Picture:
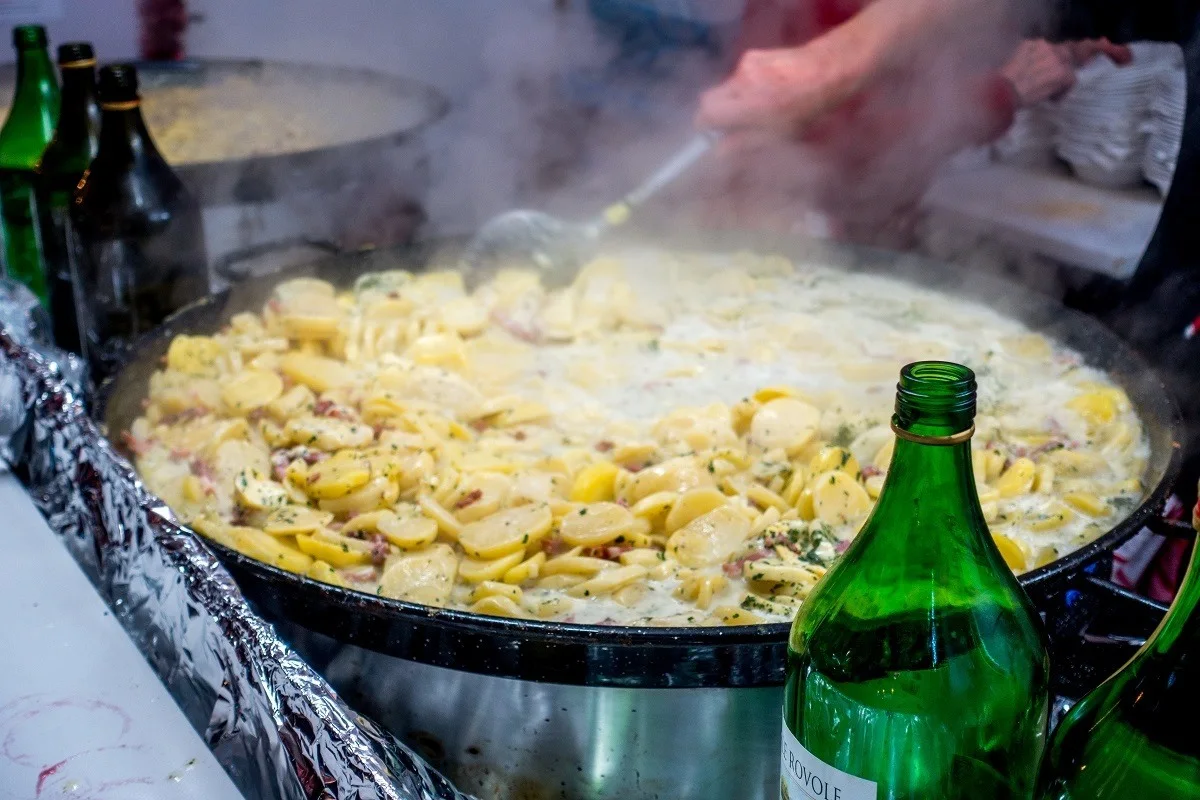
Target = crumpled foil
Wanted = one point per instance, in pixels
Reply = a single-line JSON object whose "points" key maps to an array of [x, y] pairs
{"points": [[274, 723]]}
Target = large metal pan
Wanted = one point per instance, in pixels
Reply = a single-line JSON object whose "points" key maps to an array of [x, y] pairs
{"points": [[265, 176], [579, 711]]}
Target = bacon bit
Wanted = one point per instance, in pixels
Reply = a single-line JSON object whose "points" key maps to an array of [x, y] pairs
{"points": [[314, 457], [841, 547], [393, 295], [379, 549], [313, 477], [480, 425], [336, 526], [734, 568], [613, 551], [519, 436], [179, 454], [187, 415], [604, 446], [526, 333], [145, 403], [275, 305], [201, 469], [362, 575], [554, 547], [470, 498], [133, 444], [870, 471], [257, 415], [635, 467], [322, 407], [279, 470], [622, 502]]}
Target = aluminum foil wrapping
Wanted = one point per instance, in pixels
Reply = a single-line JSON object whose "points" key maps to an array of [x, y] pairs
{"points": [[273, 722]]}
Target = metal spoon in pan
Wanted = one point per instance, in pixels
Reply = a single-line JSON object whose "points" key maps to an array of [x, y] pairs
{"points": [[557, 247]]}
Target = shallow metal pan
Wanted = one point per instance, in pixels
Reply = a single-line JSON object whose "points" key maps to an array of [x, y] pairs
{"points": [[644, 657]]}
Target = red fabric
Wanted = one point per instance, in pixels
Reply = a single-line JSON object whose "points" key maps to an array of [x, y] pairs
{"points": [[163, 23]]}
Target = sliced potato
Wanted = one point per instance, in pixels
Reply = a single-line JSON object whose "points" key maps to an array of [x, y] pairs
{"points": [[838, 499], [785, 423], [494, 589], [575, 565], [294, 402], [338, 556], [316, 372], [1013, 555], [691, 505], [337, 476], [408, 533], [255, 492], [323, 572], [292, 520], [499, 606], [482, 494], [1017, 479], [709, 539], [596, 524], [268, 549], [250, 390], [830, 458], [608, 581], [379, 493], [474, 570], [194, 355], [424, 577], [527, 570], [506, 532], [594, 483], [325, 433]]}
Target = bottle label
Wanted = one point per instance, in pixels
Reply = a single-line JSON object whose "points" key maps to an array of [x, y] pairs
{"points": [[806, 777]]}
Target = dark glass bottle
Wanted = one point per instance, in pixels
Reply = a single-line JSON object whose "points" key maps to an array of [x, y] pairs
{"points": [[27, 131], [67, 157], [917, 668], [140, 230], [1135, 736]]}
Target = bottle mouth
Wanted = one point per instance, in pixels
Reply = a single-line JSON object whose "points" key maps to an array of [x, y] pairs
{"points": [[117, 87], [27, 37], [936, 393], [76, 55]]}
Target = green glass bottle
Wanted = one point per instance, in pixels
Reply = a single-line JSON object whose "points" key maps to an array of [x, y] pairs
{"points": [[23, 139], [1135, 736], [917, 669], [63, 164]]}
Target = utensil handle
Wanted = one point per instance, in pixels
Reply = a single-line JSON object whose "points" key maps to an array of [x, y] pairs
{"points": [[665, 175]]}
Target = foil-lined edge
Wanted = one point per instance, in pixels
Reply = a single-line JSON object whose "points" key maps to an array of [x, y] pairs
{"points": [[276, 726]]}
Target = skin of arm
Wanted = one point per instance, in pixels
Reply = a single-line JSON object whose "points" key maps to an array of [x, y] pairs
{"points": [[787, 88]]}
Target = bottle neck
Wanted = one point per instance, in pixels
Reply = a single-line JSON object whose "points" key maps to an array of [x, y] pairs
{"points": [[933, 481], [35, 103], [123, 135], [76, 120], [1180, 631]]}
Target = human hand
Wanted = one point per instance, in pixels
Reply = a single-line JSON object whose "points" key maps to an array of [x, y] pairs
{"points": [[779, 90], [1039, 70]]}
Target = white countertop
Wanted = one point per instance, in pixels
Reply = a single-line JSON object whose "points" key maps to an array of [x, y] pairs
{"points": [[1051, 214], [82, 716]]}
